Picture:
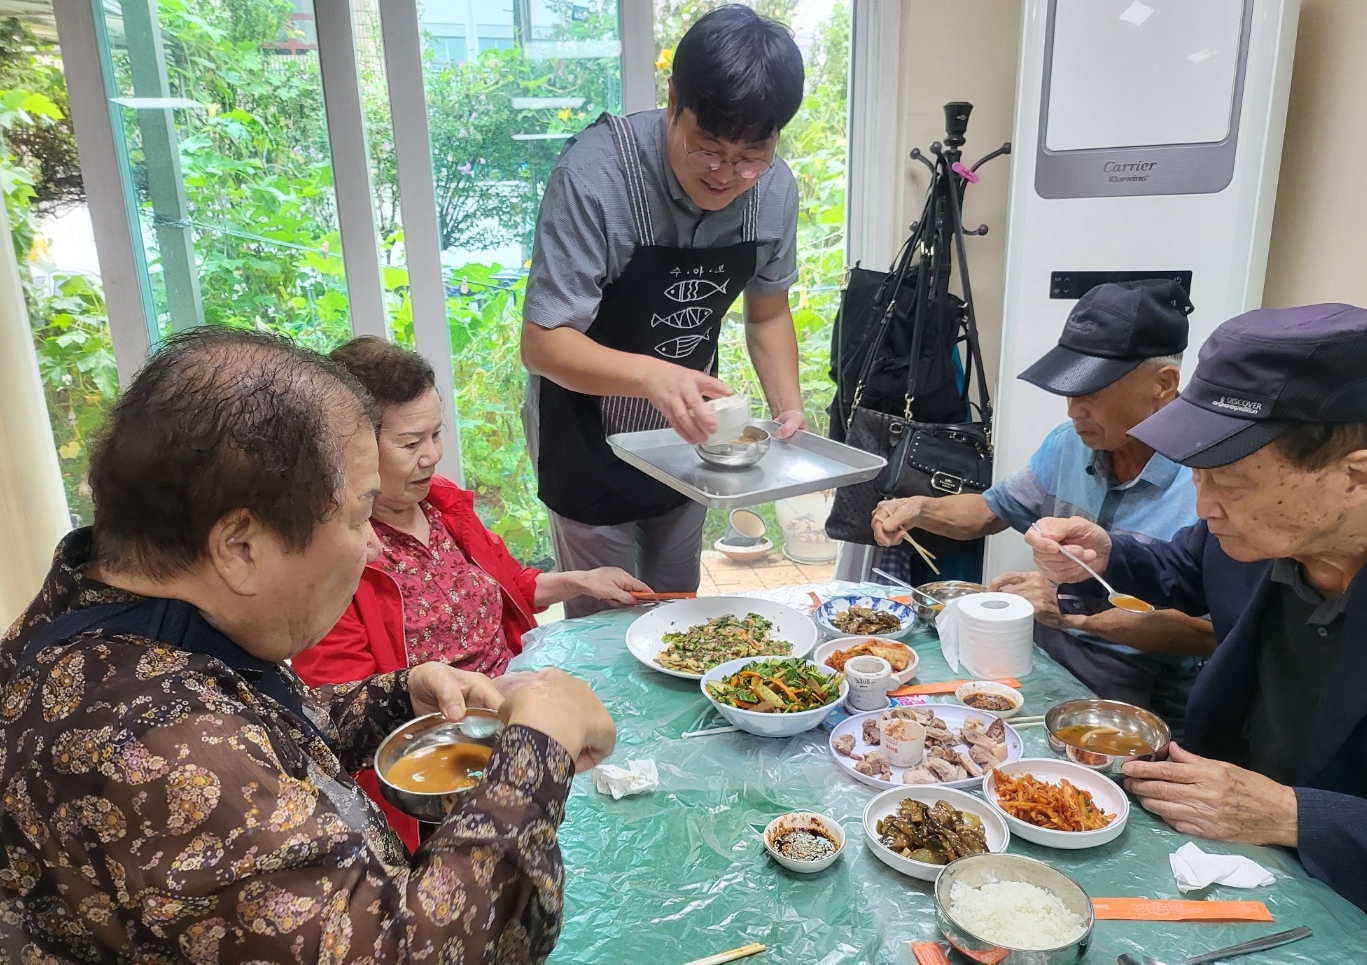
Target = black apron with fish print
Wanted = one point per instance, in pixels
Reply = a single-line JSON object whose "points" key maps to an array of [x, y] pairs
{"points": [[668, 303]]}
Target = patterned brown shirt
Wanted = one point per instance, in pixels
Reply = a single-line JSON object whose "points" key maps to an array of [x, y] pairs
{"points": [[158, 809]]}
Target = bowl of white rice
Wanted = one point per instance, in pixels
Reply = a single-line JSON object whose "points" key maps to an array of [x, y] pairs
{"points": [[1013, 910]]}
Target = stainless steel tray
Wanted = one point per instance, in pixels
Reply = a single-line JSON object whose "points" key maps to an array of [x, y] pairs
{"points": [[805, 463]]}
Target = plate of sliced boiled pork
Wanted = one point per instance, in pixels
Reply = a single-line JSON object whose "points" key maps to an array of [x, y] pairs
{"points": [[961, 745]]}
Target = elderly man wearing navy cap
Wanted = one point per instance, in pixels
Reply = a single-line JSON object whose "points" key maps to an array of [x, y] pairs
{"points": [[1274, 425], [1117, 362]]}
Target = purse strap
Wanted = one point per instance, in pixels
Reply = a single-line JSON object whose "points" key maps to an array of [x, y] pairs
{"points": [[887, 480], [879, 334], [971, 322]]}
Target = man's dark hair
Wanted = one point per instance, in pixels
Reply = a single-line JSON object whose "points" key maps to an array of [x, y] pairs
{"points": [[392, 375], [220, 420], [1312, 446], [740, 73]]}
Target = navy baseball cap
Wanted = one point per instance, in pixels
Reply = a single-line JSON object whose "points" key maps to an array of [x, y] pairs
{"points": [[1259, 374], [1111, 331]]}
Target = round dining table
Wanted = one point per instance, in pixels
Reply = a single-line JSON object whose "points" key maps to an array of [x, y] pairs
{"points": [[674, 875]]}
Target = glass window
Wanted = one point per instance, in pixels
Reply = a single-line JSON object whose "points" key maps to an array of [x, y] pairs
{"points": [[446, 41], [497, 124], [225, 145], [54, 247], [494, 36]]}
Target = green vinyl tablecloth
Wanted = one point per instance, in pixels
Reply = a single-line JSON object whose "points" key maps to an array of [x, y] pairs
{"points": [[671, 876]]}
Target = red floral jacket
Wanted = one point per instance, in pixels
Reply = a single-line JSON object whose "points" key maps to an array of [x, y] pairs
{"points": [[369, 638]]}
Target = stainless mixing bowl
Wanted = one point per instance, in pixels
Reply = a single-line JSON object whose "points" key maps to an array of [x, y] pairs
{"points": [[976, 870], [479, 727], [740, 453], [944, 591], [1126, 718]]}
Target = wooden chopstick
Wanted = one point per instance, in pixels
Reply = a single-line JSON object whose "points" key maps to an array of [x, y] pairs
{"points": [[650, 597], [730, 956], [711, 730], [926, 554]]}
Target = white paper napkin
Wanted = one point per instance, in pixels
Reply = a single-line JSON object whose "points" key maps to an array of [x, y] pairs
{"points": [[947, 626], [1194, 869], [637, 777]]}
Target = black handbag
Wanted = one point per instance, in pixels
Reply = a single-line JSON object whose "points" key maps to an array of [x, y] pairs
{"points": [[877, 367], [925, 458]]}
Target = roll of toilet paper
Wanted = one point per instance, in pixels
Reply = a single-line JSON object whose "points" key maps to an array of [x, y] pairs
{"points": [[991, 634]]}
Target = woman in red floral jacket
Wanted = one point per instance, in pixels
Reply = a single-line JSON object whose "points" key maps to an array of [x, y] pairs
{"points": [[443, 587]]}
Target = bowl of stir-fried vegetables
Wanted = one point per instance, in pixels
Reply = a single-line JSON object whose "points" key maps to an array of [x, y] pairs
{"points": [[774, 697]]}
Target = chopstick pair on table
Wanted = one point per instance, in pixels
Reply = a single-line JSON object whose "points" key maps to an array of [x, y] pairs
{"points": [[730, 956]]}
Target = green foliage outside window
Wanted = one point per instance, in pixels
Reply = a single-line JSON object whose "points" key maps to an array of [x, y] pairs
{"points": [[258, 186]]}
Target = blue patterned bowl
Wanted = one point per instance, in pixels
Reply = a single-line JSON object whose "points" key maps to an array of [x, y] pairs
{"points": [[828, 612]]}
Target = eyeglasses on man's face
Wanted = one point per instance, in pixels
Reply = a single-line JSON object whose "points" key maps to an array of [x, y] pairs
{"points": [[705, 162]]}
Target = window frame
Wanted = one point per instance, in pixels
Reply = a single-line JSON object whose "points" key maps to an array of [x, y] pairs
{"points": [[873, 161]]}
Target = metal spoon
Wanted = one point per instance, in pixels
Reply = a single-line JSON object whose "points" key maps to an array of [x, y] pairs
{"points": [[939, 605], [1243, 948], [1123, 601]]}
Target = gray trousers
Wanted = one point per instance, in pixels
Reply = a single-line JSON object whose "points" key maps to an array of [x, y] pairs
{"points": [[664, 552]]}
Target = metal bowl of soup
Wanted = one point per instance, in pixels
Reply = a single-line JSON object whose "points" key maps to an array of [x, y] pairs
{"points": [[741, 452], [1104, 734], [944, 591], [426, 765]]}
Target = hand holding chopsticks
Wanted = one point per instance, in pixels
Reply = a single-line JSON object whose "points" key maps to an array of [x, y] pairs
{"points": [[905, 512]]}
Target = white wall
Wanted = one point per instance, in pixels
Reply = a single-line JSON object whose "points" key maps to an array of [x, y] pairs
{"points": [[1319, 231], [963, 50], [967, 50]]}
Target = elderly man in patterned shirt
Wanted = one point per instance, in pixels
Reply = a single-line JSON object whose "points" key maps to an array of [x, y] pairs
{"points": [[172, 791]]}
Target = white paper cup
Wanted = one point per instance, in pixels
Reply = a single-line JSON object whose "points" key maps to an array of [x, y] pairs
{"points": [[870, 679], [904, 741], [731, 414]]}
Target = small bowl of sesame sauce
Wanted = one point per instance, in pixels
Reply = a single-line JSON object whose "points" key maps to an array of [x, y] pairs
{"points": [[804, 841]]}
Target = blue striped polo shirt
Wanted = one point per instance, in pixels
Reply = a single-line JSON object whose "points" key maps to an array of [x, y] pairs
{"points": [[1065, 478]]}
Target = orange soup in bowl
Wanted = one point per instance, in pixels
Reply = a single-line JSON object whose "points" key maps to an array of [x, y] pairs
{"points": [[439, 769]]}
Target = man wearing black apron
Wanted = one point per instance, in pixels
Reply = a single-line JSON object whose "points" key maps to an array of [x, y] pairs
{"points": [[650, 227]]}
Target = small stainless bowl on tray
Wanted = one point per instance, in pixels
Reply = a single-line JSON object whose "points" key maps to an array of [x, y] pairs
{"points": [[741, 452], [1108, 715], [944, 591], [479, 726], [976, 870]]}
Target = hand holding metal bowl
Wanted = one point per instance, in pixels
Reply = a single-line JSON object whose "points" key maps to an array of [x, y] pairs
{"points": [[1104, 734], [429, 763]]}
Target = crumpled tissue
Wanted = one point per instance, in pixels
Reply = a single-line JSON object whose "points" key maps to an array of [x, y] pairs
{"points": [[1194, 869], [637, 777]]}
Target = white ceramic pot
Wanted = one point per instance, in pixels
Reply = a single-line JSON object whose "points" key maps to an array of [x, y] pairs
{"points": [[803, 521]]}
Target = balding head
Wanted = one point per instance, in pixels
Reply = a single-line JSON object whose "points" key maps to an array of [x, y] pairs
{"points": [[221, 420]]}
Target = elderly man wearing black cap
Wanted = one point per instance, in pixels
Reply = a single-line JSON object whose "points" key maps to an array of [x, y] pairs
{"points": [[1117, 364], [1274, 425]]}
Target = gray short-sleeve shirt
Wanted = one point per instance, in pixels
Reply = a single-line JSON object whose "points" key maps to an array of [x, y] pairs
{"points": [[585, 234]]}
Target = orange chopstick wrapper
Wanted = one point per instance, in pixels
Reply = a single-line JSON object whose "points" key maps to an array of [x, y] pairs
{"points": [[929, 953], [943, 687], [1143, 909]]}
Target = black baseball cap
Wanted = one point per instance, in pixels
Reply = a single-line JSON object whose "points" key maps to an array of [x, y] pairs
{"points": [[1259, 374], [1110, 332]]}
